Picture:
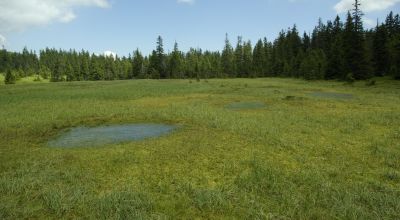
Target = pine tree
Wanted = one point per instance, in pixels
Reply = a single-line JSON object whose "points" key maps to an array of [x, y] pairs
{"points": [[335, 63], [44, 72], [238, 65], [175, 63], [58, 72], [69, 72], [306, 41], [380, 51], [228, 59], [393, 31], [160, 56], [314, 64], [354, 47], [110, 72], [84, 69], [154, 66], [9, 77], [259, 58], [335, 68], [248, 60], [5, 60], [268, 62], [96, 72], [138, 65], [394, 50]]}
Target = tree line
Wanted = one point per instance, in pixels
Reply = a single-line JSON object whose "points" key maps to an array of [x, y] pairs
{"points": [[337, 49]]}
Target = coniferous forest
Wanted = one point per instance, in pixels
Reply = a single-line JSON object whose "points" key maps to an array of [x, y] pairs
{"points": [[338, 49]]}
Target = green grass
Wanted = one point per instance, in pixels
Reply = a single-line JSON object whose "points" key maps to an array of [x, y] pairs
{"points": [[25, 80], [301, 157]]}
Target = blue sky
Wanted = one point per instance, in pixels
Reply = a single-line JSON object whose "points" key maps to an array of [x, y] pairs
{"points": [[124, 25]]}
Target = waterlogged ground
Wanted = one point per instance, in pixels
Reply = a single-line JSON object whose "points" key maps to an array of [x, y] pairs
{"points": [[300, 157], [109, 135]]}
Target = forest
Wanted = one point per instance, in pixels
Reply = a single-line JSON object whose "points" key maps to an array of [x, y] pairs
{"points": [[341, 50]]}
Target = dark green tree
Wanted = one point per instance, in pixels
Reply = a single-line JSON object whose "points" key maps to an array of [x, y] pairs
{"points": [[247, 69], [69, 72], [160, 59], [228, 59], [9, 77], [314, 65], [380, 51], [355, 61], [175, 63], [57, 74], [96, 71], [138, 70], [259, 59]]}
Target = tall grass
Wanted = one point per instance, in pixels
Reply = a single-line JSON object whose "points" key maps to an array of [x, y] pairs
{"points": [[303, 157]]}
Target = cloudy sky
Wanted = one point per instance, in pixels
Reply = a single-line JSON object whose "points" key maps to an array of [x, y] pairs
{"points": [[124, 25]]}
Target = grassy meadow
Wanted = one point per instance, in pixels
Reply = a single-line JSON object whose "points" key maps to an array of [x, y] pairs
{"points": [[298, 157]]}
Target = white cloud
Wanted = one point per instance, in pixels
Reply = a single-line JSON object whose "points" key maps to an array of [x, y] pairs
{"points": [[110, 54], [186, 1], [18, 15], [366, 5], [2, 41]]}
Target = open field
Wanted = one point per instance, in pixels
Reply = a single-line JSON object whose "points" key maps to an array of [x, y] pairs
{"points": [[298, 156]]}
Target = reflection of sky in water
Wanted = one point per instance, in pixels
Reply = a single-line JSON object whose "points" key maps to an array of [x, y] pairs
{"points": [[104, 135]]}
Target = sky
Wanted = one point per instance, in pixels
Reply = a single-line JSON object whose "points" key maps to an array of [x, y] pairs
{"points": [[121, 26]]}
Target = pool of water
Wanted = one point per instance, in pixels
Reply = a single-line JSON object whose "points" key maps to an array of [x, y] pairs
{"points": [[246, 105], [105, 135], [332, 95]]}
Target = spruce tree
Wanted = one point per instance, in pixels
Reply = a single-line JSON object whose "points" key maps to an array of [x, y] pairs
{"points": [[175, 63], [160, 57], [306, 41], [69, 72], [380, 51], [259, 58], [154, 65], [268, 60], [394, 50], [137, 66], [58, 72], [354, 47], [314, 65], [248, 60], [9, 77], [84, 68], [96, 72], [228, 58], [335, 61], [239, 65]]}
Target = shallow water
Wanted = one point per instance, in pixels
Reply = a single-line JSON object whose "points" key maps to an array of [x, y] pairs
{"points": [[332, 95], [245, 105], [105, 135]]}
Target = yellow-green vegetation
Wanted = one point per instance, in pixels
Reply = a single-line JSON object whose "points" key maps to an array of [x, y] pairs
{"points": [[32, 79], [299, 157], [25, 80]]}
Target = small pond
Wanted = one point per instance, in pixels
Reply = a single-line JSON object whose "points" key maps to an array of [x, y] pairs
{"points": [[245, 105], [104, 135], [332, 95]]}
